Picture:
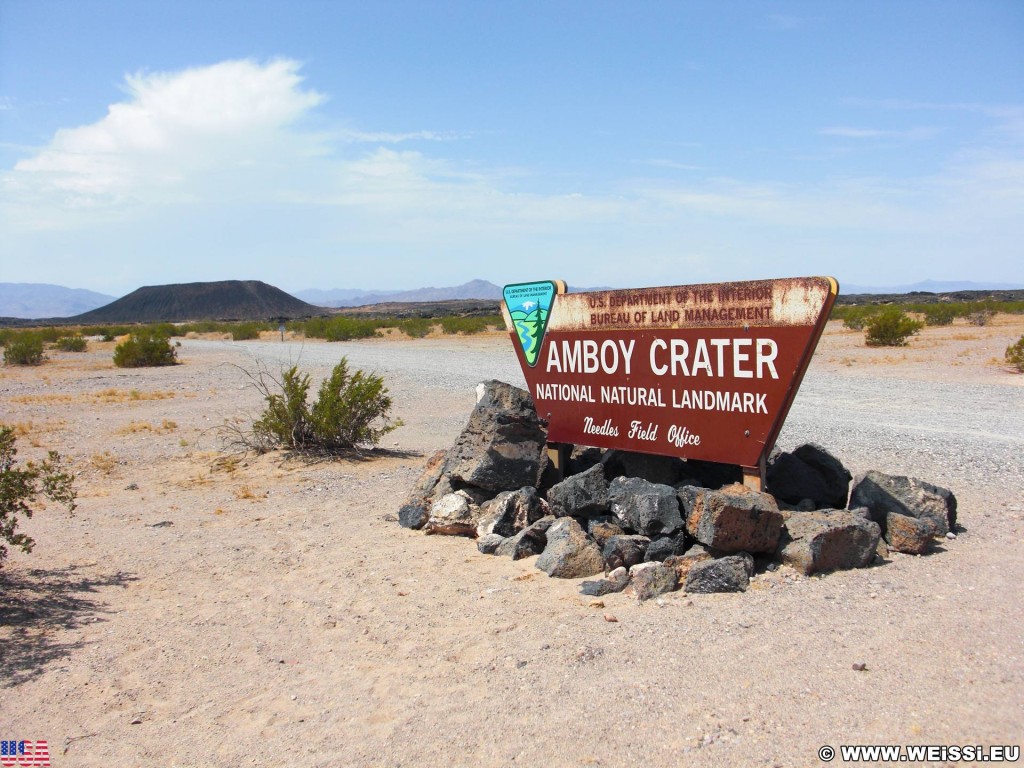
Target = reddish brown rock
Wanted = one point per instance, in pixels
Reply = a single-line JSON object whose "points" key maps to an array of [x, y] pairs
{"points": [[735, 519]]}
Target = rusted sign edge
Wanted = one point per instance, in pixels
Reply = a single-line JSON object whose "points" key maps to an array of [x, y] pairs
{"points": [[738, 304], [798, 377]]}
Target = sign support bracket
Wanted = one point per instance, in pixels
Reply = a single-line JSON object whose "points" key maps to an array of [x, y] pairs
{"points": [[558, 455], [754, 477]]}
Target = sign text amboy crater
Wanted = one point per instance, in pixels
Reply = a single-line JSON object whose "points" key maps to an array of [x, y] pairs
{"points": [[695, 371]]}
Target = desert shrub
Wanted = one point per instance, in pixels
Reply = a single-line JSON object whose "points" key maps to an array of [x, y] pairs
{"points": [[73, 343], [351, 410], [981, 316], [25, 348], [244, 331], [468, 325], [1015, 354], [939, 314], [340, 328], [144, 348], [416, 327], [164, 329], [890, 328], [21, 487]]}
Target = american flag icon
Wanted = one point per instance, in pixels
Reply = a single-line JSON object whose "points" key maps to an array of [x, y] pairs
{"points": [[24, 754]]}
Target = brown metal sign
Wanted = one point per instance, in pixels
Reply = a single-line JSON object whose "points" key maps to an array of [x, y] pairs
{"points": [[695, 371]]}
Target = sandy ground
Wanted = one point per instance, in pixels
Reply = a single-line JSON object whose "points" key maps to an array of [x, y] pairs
{"points": [[207, 609]]}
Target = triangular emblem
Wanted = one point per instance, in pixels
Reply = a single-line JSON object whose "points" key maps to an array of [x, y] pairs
{"points": [[529, 305]]}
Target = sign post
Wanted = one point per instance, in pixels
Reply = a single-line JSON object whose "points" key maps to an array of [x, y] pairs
{"points": [[704, 372]]}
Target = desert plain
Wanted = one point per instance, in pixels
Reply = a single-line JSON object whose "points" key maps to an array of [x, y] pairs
{"points": [[205, 607]]}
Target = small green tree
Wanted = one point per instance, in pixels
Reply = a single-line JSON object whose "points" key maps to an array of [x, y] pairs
{"points": [[24, 349], [1015, 354], [891, 328], [351, 410], [145, 347], [21, 487]]}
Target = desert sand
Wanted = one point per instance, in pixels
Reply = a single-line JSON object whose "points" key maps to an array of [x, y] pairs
{"points": [[208, 608]]}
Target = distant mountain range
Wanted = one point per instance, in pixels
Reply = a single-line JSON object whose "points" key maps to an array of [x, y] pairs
{"points": [[29, 300], [348, 297], [255, 300], [931, 286]]}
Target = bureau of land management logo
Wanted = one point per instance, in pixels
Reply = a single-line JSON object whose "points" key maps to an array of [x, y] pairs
{"points": [[18, 753], [529, 305]]}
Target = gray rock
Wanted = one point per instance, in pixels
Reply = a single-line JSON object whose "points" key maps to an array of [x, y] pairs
{"points": [[584, 495], [569, 554], [662, 548], [909, 534], [809, 472], [489, 544], [424, 490], [832, 540], [511, 511], [735, 519], [648, 508], [451, 515], [748, 562], [624, 551], [616, 581], [647, 580], [687, 495], [883, 494], [726, 574], [500, 447], [413, 516], [529, 541]]}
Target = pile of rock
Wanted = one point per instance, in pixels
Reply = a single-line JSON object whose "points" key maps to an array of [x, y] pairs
{"points": [[652, 524]]}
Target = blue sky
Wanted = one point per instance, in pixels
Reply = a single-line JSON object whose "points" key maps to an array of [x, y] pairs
{"points": [[396, 145]]}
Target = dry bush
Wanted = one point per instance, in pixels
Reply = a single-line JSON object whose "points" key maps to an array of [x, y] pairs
{"points": [[246, 493], [350, 411], [981, 317], [104, 462]]}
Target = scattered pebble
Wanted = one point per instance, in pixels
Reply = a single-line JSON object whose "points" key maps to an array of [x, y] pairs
{"points": [[860, 667], [610, 618]]}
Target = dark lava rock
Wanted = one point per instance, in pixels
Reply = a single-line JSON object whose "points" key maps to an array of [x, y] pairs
{"points": [[726, 574], [883, 494], [648, 508]]}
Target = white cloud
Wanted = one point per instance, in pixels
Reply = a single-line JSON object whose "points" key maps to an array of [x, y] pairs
{"points": [[171, 127]]}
